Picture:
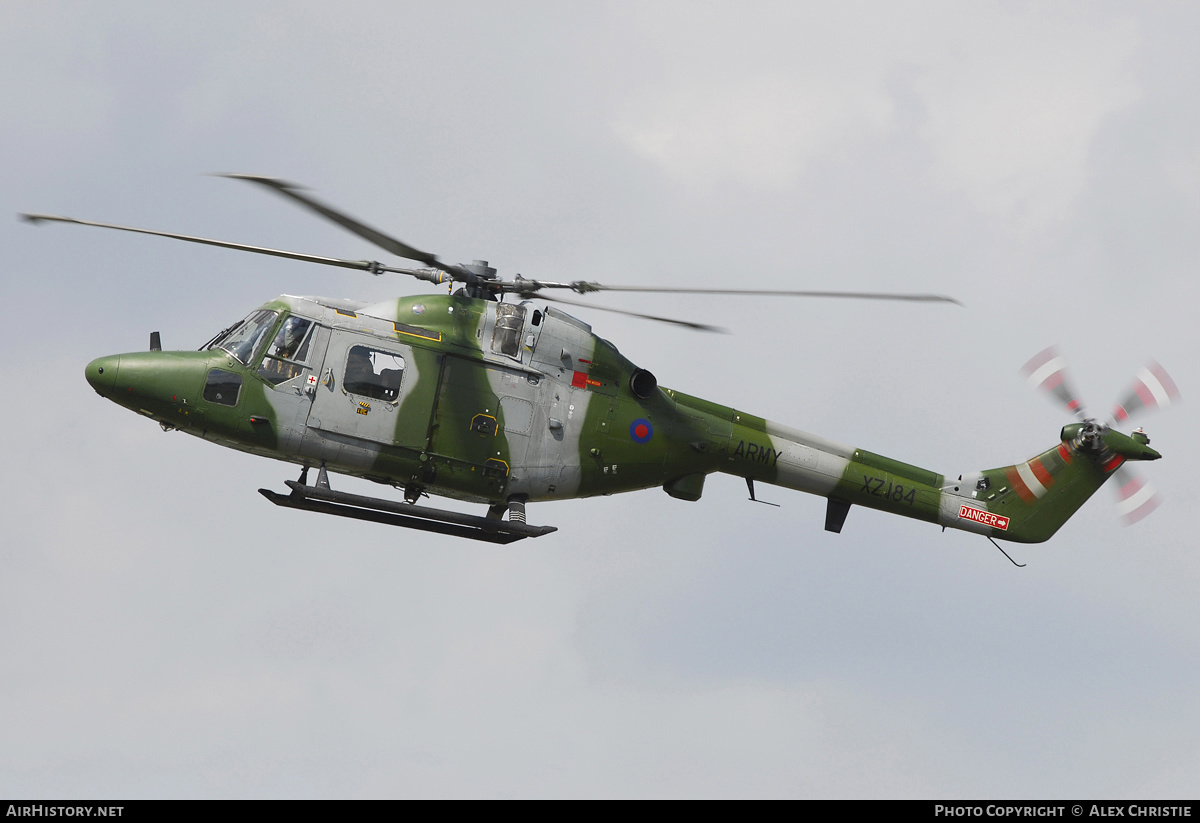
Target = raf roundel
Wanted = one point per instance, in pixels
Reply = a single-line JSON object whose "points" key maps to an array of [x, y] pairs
{"points": [[640, 430]]}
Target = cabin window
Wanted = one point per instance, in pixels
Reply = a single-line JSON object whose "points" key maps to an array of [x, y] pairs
{"points": [[288, 352], [222, 387], [373, 373], [242, 341], [506, 336]]}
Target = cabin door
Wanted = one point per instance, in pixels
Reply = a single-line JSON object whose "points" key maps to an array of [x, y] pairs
{"points": [[376, 390]]}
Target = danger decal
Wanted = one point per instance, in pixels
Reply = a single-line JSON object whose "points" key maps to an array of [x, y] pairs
{"points": [[996, 521]]}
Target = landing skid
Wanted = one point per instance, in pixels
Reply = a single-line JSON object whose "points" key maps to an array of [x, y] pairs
{"points": [[322, 499]]}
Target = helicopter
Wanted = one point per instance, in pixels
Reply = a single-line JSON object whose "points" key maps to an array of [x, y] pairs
{"points": [[467, 396]]}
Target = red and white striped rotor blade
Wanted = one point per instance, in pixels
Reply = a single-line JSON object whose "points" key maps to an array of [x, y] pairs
{"points": [[1048, 371], [1135, 497], [1152, 388]]}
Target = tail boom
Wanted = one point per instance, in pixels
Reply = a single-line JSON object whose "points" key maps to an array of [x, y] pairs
{"points": [[1026, 502]]}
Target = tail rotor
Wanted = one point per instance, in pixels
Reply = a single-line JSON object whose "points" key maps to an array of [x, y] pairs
{"points": [[1152, 388]]}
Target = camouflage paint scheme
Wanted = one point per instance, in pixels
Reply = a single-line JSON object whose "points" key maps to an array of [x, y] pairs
{"points": [[502, 401]]}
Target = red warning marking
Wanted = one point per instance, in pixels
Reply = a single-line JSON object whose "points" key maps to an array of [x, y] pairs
{"points": [[1014, 480], [1039, 471], [1064, 452], [580, 380]]}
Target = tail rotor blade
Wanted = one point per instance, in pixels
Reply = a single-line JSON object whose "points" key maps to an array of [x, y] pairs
{"points": [[1047, 370], [1152, 388], [1135, 497]]}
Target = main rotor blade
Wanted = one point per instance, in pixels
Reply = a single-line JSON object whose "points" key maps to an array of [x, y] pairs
{"points": [[1047, 370], [583, 287], [384, 241], [363, 265], [685, 323]]}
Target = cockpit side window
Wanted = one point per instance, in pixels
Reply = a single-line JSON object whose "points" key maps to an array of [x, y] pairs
{"points": [[243, 339], [373, 373], [288, 352], [222, 387]]}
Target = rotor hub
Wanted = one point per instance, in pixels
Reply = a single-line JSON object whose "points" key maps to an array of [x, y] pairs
{"points": [[481, 269]]}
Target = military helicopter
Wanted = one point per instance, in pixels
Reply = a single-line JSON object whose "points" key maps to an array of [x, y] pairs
{"points": [[468, 396]]}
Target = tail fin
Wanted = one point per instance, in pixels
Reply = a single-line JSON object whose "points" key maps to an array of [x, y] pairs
{"points": [[1029, 502]]}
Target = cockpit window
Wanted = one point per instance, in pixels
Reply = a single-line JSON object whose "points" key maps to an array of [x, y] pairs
{"points": [[373, 373], [222, 387], [288, 352], [242, 340]]}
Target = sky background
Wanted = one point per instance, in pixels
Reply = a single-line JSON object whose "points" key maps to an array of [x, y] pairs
{"points": [[165, 632]]}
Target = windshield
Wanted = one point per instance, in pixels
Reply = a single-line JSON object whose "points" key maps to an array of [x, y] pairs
{"points": [[242, 340]]}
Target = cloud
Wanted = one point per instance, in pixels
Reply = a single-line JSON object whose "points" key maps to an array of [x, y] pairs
{"points": [[1013, 110], [1007, 101], [757, 131]]}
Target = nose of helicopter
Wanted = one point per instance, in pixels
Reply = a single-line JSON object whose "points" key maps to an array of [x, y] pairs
{"points": [[101, 373]]}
